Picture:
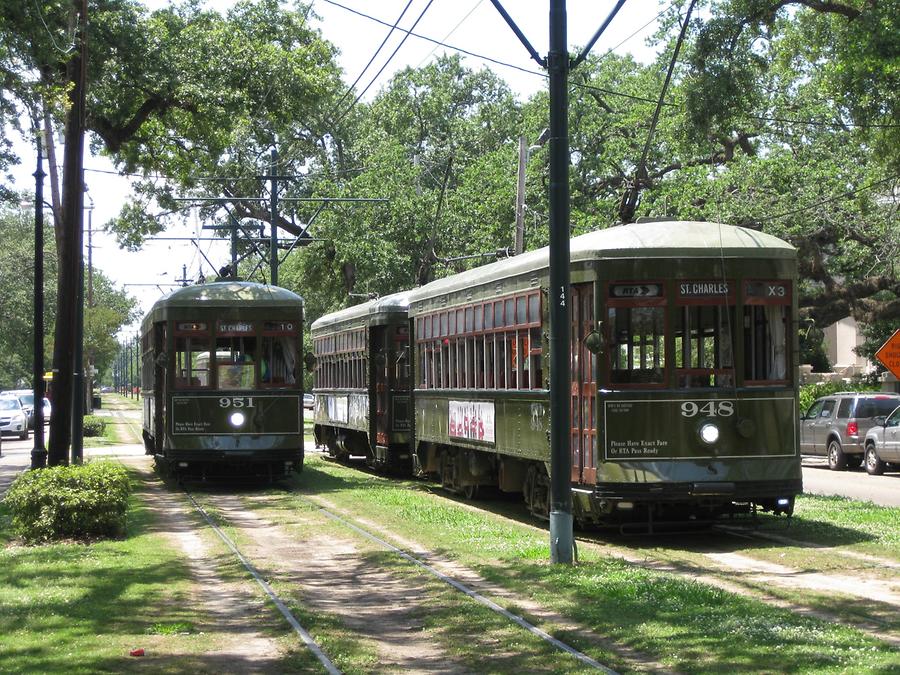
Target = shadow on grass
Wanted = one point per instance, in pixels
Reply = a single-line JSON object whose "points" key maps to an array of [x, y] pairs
{"points": [[700, 628]]}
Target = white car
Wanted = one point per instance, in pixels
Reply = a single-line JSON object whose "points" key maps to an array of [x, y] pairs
{"points": [[13, 419]]}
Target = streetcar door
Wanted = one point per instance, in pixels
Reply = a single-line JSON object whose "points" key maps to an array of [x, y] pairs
{"points": [[160, 386], [381, 385], [583, 435]]}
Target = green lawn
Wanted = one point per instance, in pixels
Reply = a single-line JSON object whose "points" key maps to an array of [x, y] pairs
{"points": [[687, 625]]}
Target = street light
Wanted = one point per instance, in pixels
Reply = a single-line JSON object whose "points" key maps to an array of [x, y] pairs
{"points": [[39, 451]]}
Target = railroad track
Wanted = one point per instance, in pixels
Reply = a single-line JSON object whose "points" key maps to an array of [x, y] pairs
{"points": [[361, 530]]}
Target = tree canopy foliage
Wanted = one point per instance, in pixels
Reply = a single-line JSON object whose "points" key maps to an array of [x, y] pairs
{"points": [[111, 308], [782, 116]]}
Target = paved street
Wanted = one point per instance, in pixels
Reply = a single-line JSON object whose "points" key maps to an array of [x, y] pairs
{"points": [[818, 479]]}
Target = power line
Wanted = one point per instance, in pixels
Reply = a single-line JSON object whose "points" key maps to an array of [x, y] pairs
{"points": [[377, 51], [385, 65], [452, 31], [604, 90]]}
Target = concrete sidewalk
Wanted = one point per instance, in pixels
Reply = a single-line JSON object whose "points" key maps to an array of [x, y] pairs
{"points": [[16, 457]]}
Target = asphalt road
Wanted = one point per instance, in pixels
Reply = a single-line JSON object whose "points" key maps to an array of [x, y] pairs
{"points": [[818, 479]]}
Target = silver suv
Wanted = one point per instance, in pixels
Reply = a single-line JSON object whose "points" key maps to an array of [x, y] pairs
{"points": [[835, 426]]}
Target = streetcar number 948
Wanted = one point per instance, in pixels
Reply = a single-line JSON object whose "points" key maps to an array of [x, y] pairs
{"points": [[707, 408]]}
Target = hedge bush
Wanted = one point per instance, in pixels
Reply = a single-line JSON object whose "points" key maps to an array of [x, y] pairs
{"points": [[810, 392], [94, 426], [69, 502]]}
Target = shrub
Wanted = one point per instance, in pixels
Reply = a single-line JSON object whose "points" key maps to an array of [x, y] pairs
{"points": [[93, 425], [76, 502], [810, 392]]}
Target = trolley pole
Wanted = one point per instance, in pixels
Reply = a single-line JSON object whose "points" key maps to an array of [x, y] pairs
{"points": [[39, 452], [561, 525]]}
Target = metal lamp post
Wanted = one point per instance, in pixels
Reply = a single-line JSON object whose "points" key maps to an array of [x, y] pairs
{"points": [[39, 451]]}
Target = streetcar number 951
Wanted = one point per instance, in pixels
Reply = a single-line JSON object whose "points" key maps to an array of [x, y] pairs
{"points": [[707, 408], [236, 402]]}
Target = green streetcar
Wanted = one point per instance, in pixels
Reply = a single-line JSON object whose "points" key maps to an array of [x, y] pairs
{"points": [[221, 383], [684, 371]]}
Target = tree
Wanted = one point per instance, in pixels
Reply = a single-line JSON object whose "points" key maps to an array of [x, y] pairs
{"points": [[437, 141], [182, 91], [112, 310], [17, 281]]}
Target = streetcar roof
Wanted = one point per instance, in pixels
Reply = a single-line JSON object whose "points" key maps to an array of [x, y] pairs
{"points": [[227, 294], [366, 313], [656, 239]]}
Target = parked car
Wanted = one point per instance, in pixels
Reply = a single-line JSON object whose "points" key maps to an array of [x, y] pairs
{"points": [[835, 426], [883, 443], [26, 398], [13, 419], [309, 401]]}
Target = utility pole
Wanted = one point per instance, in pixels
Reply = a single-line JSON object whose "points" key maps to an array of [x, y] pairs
{"points": [[519, 244], [558, 65], [561, 522]]}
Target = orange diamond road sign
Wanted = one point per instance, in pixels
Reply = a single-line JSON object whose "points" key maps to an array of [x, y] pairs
{"points": [[889, 354]]}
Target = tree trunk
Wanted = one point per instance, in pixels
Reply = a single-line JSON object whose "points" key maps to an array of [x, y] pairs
{"points": [[69, 255]]}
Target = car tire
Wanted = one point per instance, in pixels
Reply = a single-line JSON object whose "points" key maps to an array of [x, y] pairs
{"points": [[874, 465], [837, 460], [24, 435]]}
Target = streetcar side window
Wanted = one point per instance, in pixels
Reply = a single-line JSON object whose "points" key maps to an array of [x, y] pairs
{"points": [[637, 345], [191, 362], [767, 307], [487, 345], [278, 362]]}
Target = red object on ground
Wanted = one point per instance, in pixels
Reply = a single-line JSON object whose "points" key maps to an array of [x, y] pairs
{"points": [[137, 652]]}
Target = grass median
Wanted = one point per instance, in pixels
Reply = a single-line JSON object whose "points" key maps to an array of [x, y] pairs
{"points": [[687, 625]]}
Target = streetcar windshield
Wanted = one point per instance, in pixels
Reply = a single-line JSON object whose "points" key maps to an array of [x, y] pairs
{"points": [[244, 355]]}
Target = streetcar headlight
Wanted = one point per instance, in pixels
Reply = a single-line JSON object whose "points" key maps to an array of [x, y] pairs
{"points": [[237, 419], [781, 501], [709, 433]]}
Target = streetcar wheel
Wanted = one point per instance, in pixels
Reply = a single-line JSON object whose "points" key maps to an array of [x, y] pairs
{"points": [[837, 460], [874, 465], [470, 492]]}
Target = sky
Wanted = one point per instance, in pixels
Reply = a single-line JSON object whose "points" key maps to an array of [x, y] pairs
{"points": [[472, 25]]}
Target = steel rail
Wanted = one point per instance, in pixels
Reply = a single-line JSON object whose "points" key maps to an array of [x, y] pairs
{"points": [[304, 635], [475, 595]]}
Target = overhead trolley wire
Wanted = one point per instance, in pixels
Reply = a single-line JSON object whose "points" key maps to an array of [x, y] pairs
{"points": [[377, 52], [385, 65], [452, 31], [604, 90]]}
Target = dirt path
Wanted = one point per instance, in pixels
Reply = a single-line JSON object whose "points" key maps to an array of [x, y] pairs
{"points": [[333, 578], [549, 620], [231, 611]]}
